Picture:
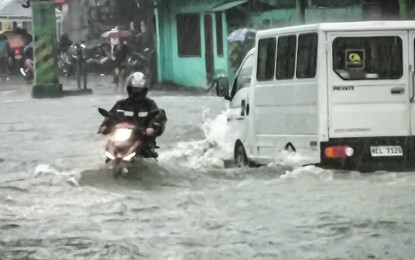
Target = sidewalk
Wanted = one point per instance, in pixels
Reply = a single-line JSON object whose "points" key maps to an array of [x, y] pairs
{"points": [[103, 84], [99, 85], [15, 85]]}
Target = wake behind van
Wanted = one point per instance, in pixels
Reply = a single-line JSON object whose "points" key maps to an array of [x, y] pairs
{"points": [[338, 94]]}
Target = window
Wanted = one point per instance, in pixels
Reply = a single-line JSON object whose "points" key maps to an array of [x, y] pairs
{"points": [[188, 35], [286, 57], [307, 55], [243, 79], [360, 58], [219, 34], [266, 59]]}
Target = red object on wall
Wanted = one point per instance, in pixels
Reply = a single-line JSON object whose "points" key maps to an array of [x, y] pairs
{"points": [[60, 2]]}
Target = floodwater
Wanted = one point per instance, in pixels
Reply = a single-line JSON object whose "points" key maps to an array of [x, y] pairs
{"points": [[59, 201]]}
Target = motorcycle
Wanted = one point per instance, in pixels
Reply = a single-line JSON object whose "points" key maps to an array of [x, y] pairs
{"points": [[125, 143]]}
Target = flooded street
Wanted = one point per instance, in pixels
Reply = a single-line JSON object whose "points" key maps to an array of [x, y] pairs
{"points": [[59, 201]]}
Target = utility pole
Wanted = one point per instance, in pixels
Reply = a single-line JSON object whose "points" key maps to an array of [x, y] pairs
{"points": [[45, 51], [46, 73], [403, 9], [300, 7]]}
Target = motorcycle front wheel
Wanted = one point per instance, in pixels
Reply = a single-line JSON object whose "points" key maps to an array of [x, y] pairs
{"points": [[118, 171]]}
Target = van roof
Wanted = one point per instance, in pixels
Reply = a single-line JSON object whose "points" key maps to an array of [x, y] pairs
{"points": [[343, 26]]}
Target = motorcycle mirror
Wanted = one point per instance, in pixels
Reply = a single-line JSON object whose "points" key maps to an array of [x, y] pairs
{"points": [[103, 112]]}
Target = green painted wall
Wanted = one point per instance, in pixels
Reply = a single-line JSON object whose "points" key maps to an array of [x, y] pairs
{"points": [[221, 62], [191, 71], [187, 71], [345, 14], [287, 17]]}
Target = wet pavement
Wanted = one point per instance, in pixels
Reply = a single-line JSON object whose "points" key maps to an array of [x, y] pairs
{"points": [[59, 201]]}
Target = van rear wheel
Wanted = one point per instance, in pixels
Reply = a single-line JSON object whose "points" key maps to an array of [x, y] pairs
{"points": [[240, 158]]}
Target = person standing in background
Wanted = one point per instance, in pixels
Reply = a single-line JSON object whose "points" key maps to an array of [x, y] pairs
{"points": [[4, 54], [121, 55], [132, 41], [146, 45], [114, 42], [145, 38], [64, 43]]}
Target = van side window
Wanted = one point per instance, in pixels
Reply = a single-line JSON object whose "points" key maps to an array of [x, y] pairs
{"points": [[243, 79], [307, 55], [286, 57], [266, 59]]}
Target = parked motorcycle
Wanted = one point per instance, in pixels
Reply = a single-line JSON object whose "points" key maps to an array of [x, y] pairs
{"points": [[67, 60], [98, 58], [16, 59], [141, 62], [124, 144], [27, 70]]}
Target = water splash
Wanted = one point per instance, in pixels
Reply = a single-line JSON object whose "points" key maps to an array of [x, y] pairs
{"points": [[210, 152], [309, 172], [53, 175], [45, 170]]}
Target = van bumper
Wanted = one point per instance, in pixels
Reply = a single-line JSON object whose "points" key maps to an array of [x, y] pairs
{"points": [[362, 158]]}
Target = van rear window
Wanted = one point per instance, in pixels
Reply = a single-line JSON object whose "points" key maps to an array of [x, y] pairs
{"points": [[368, 58]]}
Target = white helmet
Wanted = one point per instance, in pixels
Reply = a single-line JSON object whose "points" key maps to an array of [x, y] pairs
{"points": [[137, 85], [137, 80]]}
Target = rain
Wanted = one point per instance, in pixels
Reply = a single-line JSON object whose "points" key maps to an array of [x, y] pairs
{"points": [[64, 194]]}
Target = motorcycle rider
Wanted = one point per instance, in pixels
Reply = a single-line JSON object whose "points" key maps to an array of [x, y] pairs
{"points": [[136, 108]]}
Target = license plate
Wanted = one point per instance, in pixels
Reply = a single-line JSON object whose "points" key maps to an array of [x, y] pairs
{"points": [[18, 57], [384, 151]]}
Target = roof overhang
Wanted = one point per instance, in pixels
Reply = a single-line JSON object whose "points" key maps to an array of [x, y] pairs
{"points": [[226, 5]]}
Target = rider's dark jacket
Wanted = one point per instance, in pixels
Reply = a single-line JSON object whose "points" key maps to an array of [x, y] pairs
{"points": [[143, 114]]}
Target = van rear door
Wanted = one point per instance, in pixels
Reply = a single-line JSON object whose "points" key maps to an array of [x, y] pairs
{"points": [[368, 84], [412, 80]]}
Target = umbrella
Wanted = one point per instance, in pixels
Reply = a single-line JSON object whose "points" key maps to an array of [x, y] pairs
{"points": [[242, 35], [116, 34]]}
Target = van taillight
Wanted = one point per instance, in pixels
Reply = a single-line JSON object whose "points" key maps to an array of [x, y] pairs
{"points": [[337, 152]]}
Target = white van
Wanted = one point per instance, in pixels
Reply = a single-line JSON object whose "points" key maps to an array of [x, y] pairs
{"points": [[339, 94]]}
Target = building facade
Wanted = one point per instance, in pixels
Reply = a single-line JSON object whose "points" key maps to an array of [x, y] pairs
{"points": [[192, 35]]}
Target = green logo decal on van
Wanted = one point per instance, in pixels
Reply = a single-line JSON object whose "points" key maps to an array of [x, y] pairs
{"points": [[355, 59]]}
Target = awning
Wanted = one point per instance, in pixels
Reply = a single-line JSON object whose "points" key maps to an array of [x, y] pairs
{"points": [[226, 5], [12, 10]]}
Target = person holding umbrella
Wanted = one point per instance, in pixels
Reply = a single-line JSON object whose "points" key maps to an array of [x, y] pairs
{"points": [[240, 42], [115, 35], [120, 54]]}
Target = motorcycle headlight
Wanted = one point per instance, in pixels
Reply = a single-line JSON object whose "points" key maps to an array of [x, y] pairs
{"points": [[122, 134]]}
